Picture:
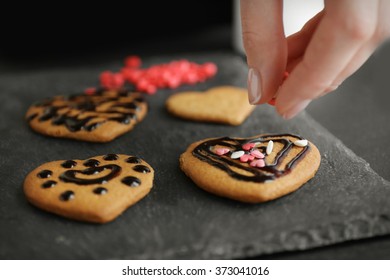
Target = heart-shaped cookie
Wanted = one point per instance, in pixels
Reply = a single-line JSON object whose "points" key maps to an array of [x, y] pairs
{"points": [[94, 190], [224, 104], [96, 118], [252, 170]]}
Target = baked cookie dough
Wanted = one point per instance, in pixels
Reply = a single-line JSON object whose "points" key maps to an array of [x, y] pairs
{"points": [[94, 190], [100, 117], [252, 170], [223, 104]]}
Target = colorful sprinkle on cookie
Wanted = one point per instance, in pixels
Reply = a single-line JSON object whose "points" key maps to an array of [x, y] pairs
{"points": [[251, 175]]}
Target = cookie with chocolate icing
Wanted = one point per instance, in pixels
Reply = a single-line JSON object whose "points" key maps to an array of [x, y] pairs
{"points": [[100, 117], [252, 170], [94, 190], [223, 104]]}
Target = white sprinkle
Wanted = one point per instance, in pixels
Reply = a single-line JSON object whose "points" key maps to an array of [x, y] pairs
{"points": [[237, 154], [270, 147], [301, 143]]}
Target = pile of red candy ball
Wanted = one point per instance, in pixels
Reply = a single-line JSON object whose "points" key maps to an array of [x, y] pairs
{"points": [[148, 80]]}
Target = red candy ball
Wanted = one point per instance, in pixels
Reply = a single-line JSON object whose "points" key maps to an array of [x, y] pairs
{"points": [[149, 80]]}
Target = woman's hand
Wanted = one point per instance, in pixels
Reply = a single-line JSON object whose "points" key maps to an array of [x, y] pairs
{"points": [[329, 48]]}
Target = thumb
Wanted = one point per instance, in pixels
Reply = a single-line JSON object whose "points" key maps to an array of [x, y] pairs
{"points": [[265, 46]]}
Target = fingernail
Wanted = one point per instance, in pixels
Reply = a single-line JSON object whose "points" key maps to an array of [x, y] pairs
{"points": [[254, 86], [293, 111]]}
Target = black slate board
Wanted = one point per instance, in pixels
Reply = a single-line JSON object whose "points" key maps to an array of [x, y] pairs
{"points": [[346, 200]]}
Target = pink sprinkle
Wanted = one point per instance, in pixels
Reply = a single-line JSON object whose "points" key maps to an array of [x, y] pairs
{"points": [[257, 163], [246, 158], [248, 146], [257, 154], [221, 151]]}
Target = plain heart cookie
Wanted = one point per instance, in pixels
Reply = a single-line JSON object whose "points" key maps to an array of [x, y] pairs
{"points": [[252, 170], [100, 117], [224, 104], [97, 189]]}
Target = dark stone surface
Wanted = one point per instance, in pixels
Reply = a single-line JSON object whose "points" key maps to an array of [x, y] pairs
{"points": [[347, 200], [358, 111]]}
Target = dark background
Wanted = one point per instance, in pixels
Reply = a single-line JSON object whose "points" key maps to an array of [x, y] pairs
{"points": [[70, 36], [71, 33]]}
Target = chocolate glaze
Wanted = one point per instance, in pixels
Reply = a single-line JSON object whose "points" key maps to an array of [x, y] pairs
{"points": [[31, 117], [110, 157], [84, 112], [91, 162], [141, 168], [67, 195], [267, 173], [133, 160], [70, 176], [131, 181], [45, 174], [100, 191], [69, 164], [49, 184]]}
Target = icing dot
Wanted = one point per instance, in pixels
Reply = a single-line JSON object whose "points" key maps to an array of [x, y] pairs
{"points": [[49, 184], [133, 160], [44, 174], [131, 181], [100, 191], [91, 162], [110, 157], [67, 195], [141, 168], [69, 164]]}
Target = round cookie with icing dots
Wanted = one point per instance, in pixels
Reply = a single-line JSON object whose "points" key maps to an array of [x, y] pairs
{"points": [[223, 104], [252, 170], [100, 117], [94, 190]]}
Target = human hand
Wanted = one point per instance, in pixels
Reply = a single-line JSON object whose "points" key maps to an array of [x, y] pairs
{"points": [[329, 48]]}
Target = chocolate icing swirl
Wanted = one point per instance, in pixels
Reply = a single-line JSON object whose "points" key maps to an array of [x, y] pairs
{"points": [[88, 112], [269, 172], [70, 176]]}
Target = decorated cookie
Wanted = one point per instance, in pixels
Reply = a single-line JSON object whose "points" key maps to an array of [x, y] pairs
{"points": [[224, 104], [252, 170], [97, 189], [97, 118]]}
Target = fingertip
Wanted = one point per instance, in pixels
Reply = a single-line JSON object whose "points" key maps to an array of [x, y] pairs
{"points": [[290, 111]]}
